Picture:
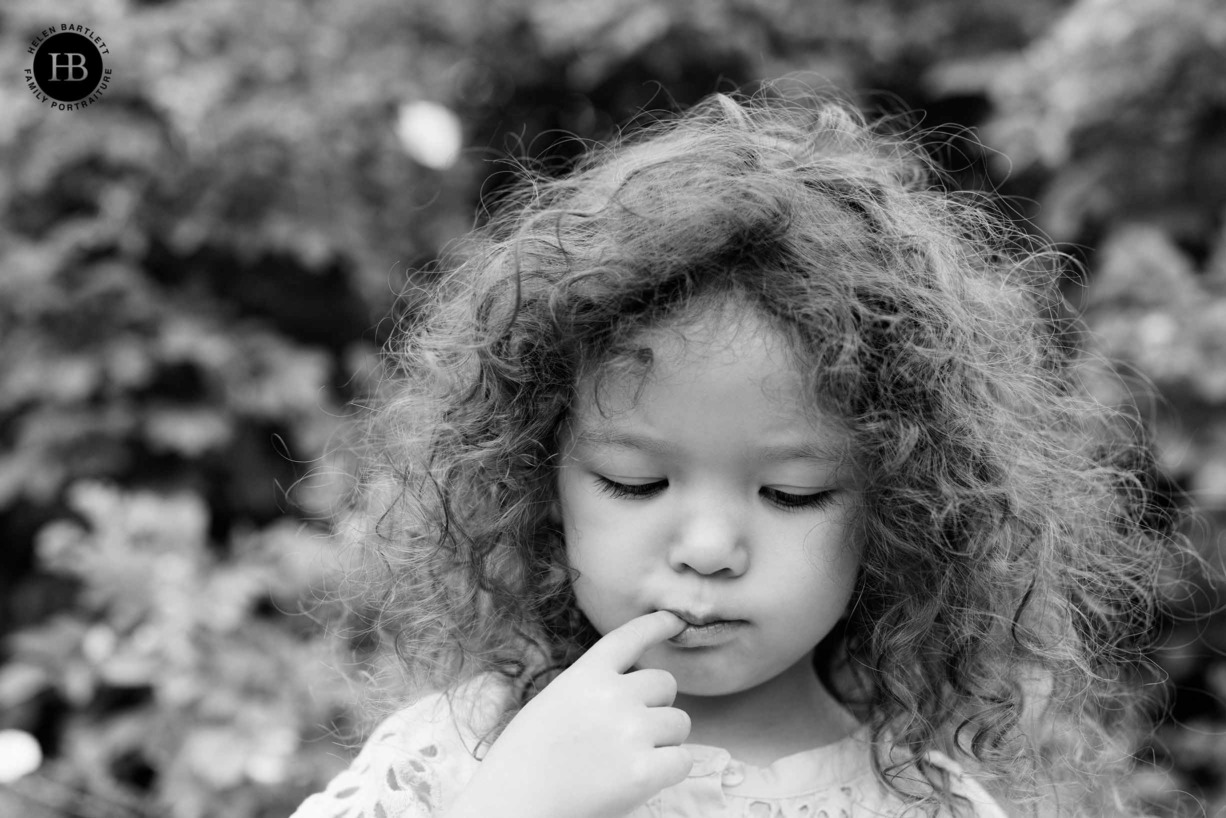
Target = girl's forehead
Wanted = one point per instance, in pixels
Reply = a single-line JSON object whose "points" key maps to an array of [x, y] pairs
{"points": [[717, 328], [724, 353]]}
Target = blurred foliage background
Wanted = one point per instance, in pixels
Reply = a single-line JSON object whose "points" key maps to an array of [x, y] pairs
{"points": [[197, 272]]}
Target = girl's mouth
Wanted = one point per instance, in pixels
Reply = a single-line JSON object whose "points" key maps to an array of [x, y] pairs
{"points": [[705, 632]]}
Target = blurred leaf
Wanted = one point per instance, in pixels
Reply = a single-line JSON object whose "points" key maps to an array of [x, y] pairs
{"points": [[1127, 98]]}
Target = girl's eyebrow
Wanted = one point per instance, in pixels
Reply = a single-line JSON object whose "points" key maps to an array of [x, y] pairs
{"points": [[652, 445]]}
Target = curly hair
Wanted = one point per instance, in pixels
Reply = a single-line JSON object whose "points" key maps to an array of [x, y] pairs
{"points": [[1010, 527]]}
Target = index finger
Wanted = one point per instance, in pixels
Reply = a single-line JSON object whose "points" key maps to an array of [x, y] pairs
{"points": [[621, 647]]}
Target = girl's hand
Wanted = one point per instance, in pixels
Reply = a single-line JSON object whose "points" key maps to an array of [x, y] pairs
{"points": [[596, 743]]}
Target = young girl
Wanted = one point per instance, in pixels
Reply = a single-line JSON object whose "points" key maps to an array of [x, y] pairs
{"points": [[741, 473]]}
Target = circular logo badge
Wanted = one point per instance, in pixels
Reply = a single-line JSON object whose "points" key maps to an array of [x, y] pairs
{"points": [[67, 67]]}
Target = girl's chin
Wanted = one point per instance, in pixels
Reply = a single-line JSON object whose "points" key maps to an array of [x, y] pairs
{"points": [[711, 686], [696, 677]]}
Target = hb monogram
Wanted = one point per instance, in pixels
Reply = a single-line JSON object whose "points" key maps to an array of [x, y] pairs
{"points": [[72, 66], [68, 71]]}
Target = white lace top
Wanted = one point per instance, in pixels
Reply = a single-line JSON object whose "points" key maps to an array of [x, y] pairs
{"points": [[419, 759]]}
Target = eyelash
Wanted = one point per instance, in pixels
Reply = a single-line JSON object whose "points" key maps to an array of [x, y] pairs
{"points": [[780, 499], [629, 491], [798, 502]]}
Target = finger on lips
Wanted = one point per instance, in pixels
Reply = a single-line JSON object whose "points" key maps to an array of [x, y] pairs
{"points": [[625, 645]]}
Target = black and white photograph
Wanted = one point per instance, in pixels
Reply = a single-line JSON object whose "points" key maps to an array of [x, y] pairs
{"points": [[613, 409]]}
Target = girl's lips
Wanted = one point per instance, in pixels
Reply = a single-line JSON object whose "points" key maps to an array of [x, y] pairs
{"points": [[695, 618], [707, 635]]}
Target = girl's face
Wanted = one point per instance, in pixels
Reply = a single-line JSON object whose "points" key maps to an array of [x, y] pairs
{"points": [[707, 489]]}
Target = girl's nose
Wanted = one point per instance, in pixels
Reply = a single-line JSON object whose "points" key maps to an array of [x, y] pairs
{"points": [[712, 541]]}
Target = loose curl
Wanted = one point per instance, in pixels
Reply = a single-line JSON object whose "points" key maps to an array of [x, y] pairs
{"points": [[1010, 528]]}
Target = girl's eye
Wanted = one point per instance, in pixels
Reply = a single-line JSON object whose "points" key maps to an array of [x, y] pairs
{"points": [[629, 490], [796, 502]]}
